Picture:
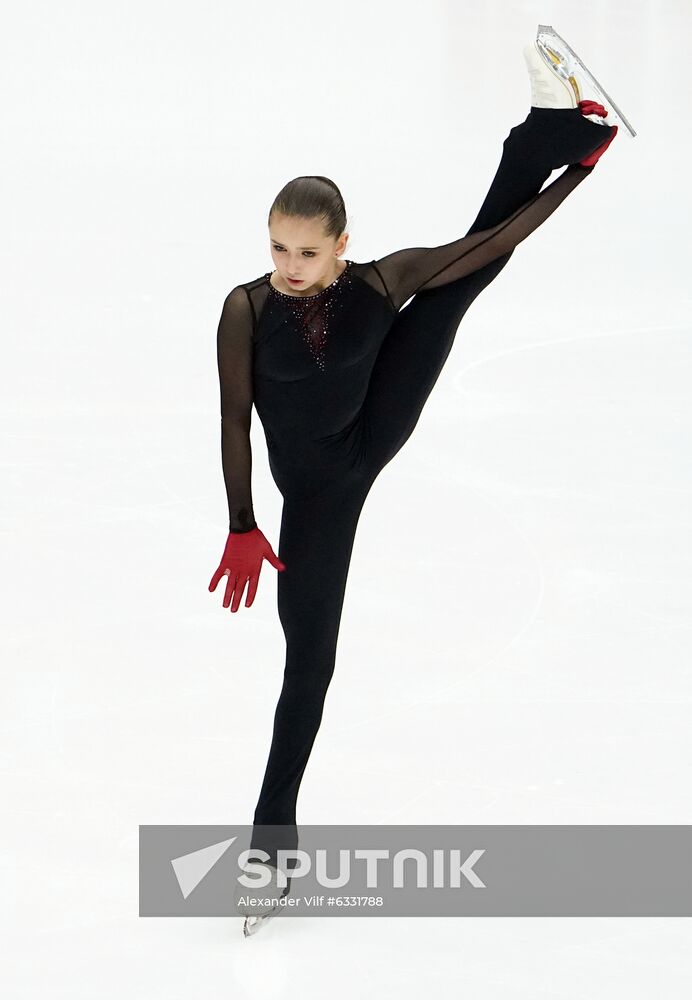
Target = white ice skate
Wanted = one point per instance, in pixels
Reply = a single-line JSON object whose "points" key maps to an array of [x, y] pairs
{"points": [[255, 923], [569, 81], [258, 913]]}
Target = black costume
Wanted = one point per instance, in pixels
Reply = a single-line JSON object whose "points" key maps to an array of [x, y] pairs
{"points": [[339, 380]]}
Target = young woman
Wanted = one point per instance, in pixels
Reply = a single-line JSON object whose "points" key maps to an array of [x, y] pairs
{"points": [[339, 374]]}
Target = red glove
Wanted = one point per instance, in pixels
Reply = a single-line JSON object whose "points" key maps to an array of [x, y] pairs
{"points": [[592, 108], [241, 562]]}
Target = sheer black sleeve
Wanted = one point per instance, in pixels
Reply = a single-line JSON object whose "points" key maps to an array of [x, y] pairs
{"points": [[406, 272], [234, 352]]}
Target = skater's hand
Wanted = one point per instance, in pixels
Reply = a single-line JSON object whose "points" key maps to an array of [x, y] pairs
{"points": [[592, 108], [241, 562]]}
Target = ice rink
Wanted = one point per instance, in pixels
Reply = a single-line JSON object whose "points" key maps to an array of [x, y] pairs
{"points": [[515, 642]]}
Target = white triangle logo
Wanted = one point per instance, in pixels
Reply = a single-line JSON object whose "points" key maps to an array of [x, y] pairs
{"points": [[190, 869]]}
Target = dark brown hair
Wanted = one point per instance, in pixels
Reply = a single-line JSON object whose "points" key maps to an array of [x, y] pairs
{"points": [[313, 197]]}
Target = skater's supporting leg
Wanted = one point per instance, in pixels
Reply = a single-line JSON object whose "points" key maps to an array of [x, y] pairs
{"points": [[316, 541]]}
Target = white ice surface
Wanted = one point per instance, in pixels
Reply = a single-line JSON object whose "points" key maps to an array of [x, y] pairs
{"points": [[515, 642]]}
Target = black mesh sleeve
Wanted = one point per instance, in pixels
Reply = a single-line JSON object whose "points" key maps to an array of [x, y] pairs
{"points": [[406, 272], [234, 352]]}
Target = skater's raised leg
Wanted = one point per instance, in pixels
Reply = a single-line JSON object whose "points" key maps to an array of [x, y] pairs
{"points": [[420, 338]]}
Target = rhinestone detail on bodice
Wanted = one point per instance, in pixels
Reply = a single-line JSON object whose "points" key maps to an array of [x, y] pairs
{"points": [[313, 313]]}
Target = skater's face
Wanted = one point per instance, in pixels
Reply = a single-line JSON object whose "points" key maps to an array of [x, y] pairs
{"points": [[301, 249]]}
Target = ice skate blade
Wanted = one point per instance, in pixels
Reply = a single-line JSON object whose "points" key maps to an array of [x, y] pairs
{"points": [[545, 34], [255, 923]]}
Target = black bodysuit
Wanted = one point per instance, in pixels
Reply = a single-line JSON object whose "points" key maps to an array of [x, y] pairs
{"points": [[339, 380]]}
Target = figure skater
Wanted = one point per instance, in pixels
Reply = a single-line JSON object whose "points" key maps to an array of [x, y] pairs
{"points": [[339, 373]]}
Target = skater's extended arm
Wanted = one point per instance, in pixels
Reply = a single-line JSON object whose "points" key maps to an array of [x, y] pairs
{"points": [[246, 546], [416, 269], [234, 354]]}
